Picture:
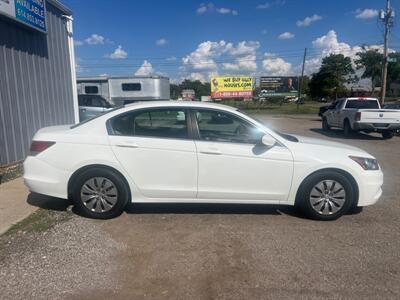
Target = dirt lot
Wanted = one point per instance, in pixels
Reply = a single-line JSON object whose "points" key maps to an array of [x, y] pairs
{"points": [[215, 251]]}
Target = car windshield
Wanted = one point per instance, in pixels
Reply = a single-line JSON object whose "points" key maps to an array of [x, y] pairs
{"points": [[362, 104], [95, 117]]}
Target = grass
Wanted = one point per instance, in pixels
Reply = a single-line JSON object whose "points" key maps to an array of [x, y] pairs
{"points": [[10, 172], [40, 221], [309, 108]]}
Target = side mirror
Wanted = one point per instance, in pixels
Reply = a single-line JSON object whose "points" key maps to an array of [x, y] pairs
{"points": [[268, 141]]}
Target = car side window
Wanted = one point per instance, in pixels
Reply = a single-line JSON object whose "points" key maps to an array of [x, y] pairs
{"points": [[223, 127], [160, 123]]}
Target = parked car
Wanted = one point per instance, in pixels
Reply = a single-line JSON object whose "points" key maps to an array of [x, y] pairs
{"points": [[91, 106], [147, 152], [362, 114]]}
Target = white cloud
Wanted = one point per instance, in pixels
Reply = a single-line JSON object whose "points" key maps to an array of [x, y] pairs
{"points": [[78, 43], [210, 57], [118, 53], [286, 36], [171, 58], [210, 7], [276, 66], [329, 44], [203, 8], [308, 20], [95, 39], [267, 5], [145, 69], [161, 42], [263, 5], [367, 13]]}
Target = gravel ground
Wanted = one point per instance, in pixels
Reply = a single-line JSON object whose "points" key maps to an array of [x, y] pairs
{"points": [[218, 251], [71, 257]]}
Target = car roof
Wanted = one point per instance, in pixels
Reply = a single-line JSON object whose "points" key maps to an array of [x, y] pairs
{"points": [[174, 103]]}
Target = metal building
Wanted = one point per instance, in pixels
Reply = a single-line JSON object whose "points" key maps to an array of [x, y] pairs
{"points": [[37, 72]]}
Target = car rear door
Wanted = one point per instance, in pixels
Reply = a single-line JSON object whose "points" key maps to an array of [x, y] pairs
{"points": [[155, 148], [234, 165]]}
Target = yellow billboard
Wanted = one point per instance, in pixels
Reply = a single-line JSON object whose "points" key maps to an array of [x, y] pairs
{"points": [[231, 87]]}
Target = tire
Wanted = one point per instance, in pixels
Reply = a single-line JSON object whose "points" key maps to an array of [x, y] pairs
{"points": [[325, 125], [100, 193], [387, 134], [347, 128], [316, 205]]}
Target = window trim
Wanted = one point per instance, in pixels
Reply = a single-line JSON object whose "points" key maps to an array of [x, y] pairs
{"points": [[189, 128], [197, 130]]}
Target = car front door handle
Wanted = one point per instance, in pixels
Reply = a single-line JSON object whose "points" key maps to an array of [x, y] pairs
{"points": [[211, 151], [128, 145]]}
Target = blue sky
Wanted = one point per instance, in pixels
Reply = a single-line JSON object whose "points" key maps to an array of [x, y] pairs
{"points": [[194, 39]]}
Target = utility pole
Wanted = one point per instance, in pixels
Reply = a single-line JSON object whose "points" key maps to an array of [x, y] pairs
{"points": [[387, 19], [301, 78]]}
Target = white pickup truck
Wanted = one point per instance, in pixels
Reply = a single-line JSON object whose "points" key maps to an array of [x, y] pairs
{"points": [[362, 114]]}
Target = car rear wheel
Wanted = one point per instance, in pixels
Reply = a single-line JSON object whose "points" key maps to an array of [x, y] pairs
{"points": [[100, 193], [387, 134], [325, 125], [326, 196]]}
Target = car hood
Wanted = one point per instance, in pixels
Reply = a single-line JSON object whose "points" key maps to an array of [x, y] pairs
{"points": [[321, 142]]}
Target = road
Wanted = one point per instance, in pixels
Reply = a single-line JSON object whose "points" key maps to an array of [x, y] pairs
{"points": [[236, 252]]}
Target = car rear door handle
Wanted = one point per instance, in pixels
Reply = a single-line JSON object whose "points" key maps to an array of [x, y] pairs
{"points": [[213, 151]]}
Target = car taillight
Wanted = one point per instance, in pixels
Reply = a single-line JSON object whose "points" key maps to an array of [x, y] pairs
{"points": [[40, 146], [358, 116]]}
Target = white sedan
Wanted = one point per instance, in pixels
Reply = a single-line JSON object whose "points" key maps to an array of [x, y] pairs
{"points": [[170, 152]]}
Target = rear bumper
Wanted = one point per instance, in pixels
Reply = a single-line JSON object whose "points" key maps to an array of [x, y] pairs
{"points": [[370, 187], [376, 126], [42, 178]]}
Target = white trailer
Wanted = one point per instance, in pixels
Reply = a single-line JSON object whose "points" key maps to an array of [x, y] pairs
{"points": [[124, 90]]}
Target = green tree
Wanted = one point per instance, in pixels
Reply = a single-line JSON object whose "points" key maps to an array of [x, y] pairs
{"points": [[200, 88], [371, 62], [335, 71], [393, 71]]}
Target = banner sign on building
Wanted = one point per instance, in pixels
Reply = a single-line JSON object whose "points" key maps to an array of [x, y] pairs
{"points": [[29, 12], [279, 86], [231, 87]]}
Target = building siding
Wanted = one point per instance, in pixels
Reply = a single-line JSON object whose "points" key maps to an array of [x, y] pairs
{"points": [[35, 83]]}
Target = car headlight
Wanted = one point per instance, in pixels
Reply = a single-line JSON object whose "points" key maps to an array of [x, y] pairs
{"points": [[366, 163]]}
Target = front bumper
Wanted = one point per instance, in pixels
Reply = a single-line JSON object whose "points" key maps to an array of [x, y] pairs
{"points": [[42, 178], [370, 187]]}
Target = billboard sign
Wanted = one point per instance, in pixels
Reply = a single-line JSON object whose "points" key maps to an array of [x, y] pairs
{"points": [[231, 87], [29, 12], [278, 86]]}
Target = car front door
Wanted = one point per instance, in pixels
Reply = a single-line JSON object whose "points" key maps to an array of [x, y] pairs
{"points": [[156, 150], [335, 114], [234, 165]]}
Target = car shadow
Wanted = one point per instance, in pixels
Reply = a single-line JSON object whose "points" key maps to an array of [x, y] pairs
{"points": [[58, 204], [209, 208], [337, 133], [48, 202]]}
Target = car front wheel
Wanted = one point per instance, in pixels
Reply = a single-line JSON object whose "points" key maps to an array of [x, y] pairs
{"points": [[325, 125], [326, 195], [100, 193]]}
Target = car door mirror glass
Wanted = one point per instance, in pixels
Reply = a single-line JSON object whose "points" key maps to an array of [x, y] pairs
{"points": [[268, 140]]}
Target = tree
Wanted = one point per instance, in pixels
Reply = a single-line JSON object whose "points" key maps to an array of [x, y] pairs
{"points": [[200, 88], [335, 71], [371, 62]]}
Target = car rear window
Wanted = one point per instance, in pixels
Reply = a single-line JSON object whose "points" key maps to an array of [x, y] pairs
{"points": [[362, 104]]}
